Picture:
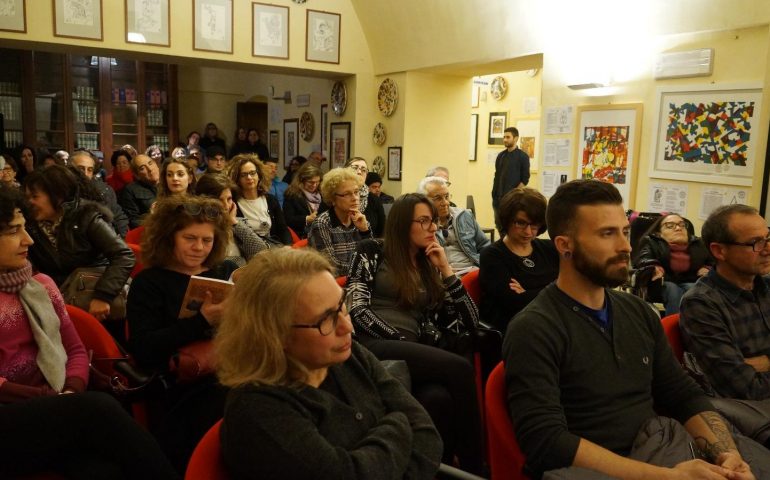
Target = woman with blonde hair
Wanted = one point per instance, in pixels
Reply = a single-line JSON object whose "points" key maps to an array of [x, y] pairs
{"points": [[303, 199], [306, 400]]}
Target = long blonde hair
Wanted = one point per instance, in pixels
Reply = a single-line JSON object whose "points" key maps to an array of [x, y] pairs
{"points": [[258, 316]]}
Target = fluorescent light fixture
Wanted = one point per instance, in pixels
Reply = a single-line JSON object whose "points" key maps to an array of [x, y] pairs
{"points": [[586, 86], [692, 63]]}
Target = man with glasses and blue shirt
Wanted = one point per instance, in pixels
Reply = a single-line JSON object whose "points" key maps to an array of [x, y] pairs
{"points": [[458, 232], [725, 317]]}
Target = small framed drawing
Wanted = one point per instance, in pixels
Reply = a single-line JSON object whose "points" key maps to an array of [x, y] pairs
{"points": [[270, 30], [274, 144], [339, 142], [303, 100], [13, 16], [324, 129], [497, 123], [290, 140], [394, 163], [322, 37], [147, 22], [77, 19], [708, 133], [213, 25], [474, 135]]}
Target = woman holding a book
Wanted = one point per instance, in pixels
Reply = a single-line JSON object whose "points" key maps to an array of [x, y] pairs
{"points": [[185, 236]]}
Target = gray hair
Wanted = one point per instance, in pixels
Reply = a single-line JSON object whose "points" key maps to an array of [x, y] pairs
{"points": [[423, 186], [432, 171]]}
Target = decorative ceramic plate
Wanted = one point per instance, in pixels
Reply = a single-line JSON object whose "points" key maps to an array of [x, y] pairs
{"points": [[339, 98], [387, 97], [306, 126], [379, 135], [378, 166], [498, 88], [299, 2]]}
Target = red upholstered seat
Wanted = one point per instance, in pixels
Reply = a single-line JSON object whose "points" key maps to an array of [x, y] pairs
{"points": [[206, 461], [506, 461]]}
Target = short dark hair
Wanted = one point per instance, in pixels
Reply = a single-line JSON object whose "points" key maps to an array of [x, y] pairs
{"points": [[716, 227], [527, 200], [512, 130], [373, 177], [117, 154], [10, 200], [215, 150], [560, 215]]}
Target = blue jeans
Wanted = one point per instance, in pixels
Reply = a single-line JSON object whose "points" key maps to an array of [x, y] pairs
{"points": [[672, 295]]}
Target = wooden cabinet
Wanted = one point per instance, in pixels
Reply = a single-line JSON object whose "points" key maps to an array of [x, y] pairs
{"points": [[66, 101]]}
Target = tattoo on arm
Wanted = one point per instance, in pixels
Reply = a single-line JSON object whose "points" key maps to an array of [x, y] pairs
{"points": [[723, 442]]}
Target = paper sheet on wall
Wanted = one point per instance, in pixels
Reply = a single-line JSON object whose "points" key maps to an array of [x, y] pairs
{"points": [[551, 181], [492, 156], [529, 105], [558, 120], [556, 152], [713, 197], [668, 198]]}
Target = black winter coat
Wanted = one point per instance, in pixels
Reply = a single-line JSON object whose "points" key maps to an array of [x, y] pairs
{"points": [[653, 249]]}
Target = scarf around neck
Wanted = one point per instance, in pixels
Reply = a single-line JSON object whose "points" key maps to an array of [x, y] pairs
{"points": [[313, 199]]}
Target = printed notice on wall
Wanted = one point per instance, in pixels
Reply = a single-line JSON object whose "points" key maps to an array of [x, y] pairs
{"points": [[558, 120], [556, 152], [529, 105], [668, 198], [492, 156], [713, 197], [551, 181]]}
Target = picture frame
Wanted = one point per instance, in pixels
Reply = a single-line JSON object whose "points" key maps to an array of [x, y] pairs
{"points": [[322, 36], [303, 100], [213, 25], [274, 144], [72, 21], [290, 140], [339, 144], [269, 30], [324, 129], [718, 143], [474, 137], [147, 23], [529, 140], [498, 122], [607, 146], [14, 17], [394, 163]]}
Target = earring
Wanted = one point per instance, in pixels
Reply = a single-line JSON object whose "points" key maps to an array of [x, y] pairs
{"points": [[567, 254]]}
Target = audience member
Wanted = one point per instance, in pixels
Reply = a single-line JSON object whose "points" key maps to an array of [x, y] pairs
{"points": [[195, 159], [518, 266], [215, 159], [193, 139], [62, 157], [303, 198], [374, 182], [211, 138], [176, 178], [84, 161], [277, 187], [239, 143], [10, 170], [178, 152], [438, 171], [294, 165], [27, 160], [261, 210], [155, 153], [368, 203], [137, 198], [458, 231], [337, 231], [316, 158], [131, 151], [48, 159], [404, 292], [72, 231], [679, 258], [253, 145], [121, 174], [511, 170], [298, 356], [586, 365]]}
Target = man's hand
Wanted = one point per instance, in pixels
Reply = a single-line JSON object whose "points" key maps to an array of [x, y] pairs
{"points": [[698, 470], [738, 469], [760, 363], [659, 272]]}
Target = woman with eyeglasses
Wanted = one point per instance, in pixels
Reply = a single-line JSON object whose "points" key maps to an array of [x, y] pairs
{"points": [[406, 301], [337, 231], [261, 210], [184, 236], [515, 268], [308, 402], [176, 178], [303, 199], [678, 257], [368, 203]]}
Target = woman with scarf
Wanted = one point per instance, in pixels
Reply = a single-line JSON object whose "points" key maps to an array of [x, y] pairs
{"points": [[43, 376], [121, 170], [302, 199]]}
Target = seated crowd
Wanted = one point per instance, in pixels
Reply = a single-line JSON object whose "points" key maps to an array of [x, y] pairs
{"points": [[300, 379]]}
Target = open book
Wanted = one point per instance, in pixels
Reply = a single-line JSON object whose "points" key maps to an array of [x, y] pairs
{"points": [[196, 294]]}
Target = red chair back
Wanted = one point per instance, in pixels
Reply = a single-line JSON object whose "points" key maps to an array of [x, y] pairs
{"points": [[135, 235], [301, 244], [95, 337], [294, 237], [674, 335], [472, 285], [506, 461], [342, 281], [206, 461], [138, 267]]}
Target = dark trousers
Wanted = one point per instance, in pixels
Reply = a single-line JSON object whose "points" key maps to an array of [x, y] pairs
{"points": [[443, 383], [85, 435]]}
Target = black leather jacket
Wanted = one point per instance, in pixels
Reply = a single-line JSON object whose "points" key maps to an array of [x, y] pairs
{"points": [[85, 238], [653, 249]]}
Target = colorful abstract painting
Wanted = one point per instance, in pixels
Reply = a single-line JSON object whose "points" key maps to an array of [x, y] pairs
{"points": [[605, 153], [714, 133]]}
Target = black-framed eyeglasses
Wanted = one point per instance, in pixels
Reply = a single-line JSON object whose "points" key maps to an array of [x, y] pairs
{"points": [[194, 209], [673, 225], [521, 225], [757, 245], [252, 173], [328, 322], [346, 195], [425, 222]]}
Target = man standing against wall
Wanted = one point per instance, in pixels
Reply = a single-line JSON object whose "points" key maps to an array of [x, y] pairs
{"points": [[511, 169]]}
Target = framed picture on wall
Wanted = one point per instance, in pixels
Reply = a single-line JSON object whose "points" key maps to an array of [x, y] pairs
{"points": [[394, 163], [147, 22], [707, 133], [608, 146], [290, 140], [270, 30], [474, 136], [275, 144], [339, 143], [213, 25], [324, 129], [322, 37], [498, 121], [76, 19], [13, 18]]}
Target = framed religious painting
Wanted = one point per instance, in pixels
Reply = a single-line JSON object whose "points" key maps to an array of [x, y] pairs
{"points": [[339, 143], [290, 140], [497, 123]]}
